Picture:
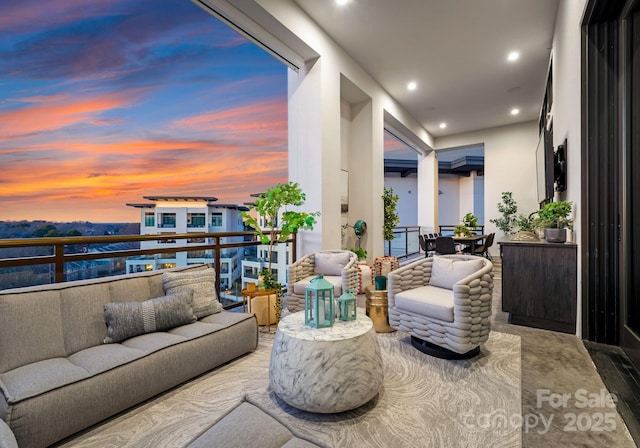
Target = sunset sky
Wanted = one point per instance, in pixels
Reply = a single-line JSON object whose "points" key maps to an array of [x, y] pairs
{"points": [[103, 102]]}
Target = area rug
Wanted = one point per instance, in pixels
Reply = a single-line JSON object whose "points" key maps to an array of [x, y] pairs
{"points": [[424, 402]]}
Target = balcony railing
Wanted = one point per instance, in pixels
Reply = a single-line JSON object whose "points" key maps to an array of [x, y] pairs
{"points": [[58, 252], [405, 242]]}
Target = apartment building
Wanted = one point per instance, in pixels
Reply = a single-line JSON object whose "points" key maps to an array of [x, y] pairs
{"points": [[166, 215]]}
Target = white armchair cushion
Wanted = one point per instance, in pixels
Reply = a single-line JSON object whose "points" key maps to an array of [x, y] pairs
{"points": [[331, 263], [427, 301], [446, 272], [335, 280]]}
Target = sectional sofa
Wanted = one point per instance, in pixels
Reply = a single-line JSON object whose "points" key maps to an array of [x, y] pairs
{"points": [[73, 354]]}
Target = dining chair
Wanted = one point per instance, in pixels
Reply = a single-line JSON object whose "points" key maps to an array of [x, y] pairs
{"points": [[445, 245], [483, 250]]}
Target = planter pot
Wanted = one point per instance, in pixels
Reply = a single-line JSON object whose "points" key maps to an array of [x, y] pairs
{"points": [[555, 235]]}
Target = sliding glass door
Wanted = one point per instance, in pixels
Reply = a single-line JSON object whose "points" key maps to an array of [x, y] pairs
{"points": [[630, 241]]}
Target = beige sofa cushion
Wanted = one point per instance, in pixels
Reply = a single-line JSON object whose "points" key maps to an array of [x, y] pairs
{"points": [[427, 301], [331, 263], [31, 328], [446, 272], [202, 283], [336, 281]]}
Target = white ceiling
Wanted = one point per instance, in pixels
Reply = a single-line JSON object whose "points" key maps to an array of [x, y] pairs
{"points": [[456, 50]]}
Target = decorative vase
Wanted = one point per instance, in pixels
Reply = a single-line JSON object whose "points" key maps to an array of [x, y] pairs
{"points": [[555, 235]]}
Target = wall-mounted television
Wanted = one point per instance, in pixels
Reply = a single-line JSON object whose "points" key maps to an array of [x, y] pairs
{"points": [[545, 166], [560, 167]]}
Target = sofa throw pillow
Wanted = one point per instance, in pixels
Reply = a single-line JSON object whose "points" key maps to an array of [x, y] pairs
{"points": [[446, 272], [331, 263], [203, 284], [128, 319]]}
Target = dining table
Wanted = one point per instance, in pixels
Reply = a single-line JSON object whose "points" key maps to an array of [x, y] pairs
{"points": [[472, 241]]}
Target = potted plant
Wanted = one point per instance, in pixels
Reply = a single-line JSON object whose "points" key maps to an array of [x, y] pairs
{"points": [[391, 218], [526, 225], [554, 219], [360, 252], [278, 224], [508, 208], [462, 230], [470, 220]]}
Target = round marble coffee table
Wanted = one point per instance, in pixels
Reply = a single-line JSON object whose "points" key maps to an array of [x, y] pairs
{"points": [[325, 370]]}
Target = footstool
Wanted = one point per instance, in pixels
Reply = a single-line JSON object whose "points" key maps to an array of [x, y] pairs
{"points": [[247, 424]]}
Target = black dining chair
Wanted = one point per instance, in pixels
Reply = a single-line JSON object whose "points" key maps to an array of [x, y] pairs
{"points": [[427, 244], [483, 250], [445, 245]]}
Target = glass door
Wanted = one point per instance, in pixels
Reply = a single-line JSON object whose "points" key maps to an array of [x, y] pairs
{"points": [[630, 241]]}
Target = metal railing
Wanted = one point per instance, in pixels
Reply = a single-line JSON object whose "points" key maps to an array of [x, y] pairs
{"points": [[405, 243], [62, 250]]}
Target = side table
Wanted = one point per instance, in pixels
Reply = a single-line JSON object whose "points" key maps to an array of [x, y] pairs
{"points": [[325, 370], [378, 309], [262, 303]]}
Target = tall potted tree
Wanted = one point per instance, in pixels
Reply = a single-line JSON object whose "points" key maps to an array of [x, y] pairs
{"points": [[391, 218], [278, 224], [508, 208]]}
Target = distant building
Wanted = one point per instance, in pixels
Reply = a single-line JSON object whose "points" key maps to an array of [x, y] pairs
{"points": [[184, 214]]}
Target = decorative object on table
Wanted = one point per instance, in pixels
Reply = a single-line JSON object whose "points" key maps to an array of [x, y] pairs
{"points": [[279, 223], [554, 219], [461, 231], [377, 307], [319, 308], [526, 228], [391, 218], [347, 306], [470, 221], [508, 208], [384, 265], [381, 282]]}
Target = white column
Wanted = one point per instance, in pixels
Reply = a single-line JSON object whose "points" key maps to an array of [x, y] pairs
{"points": [[428, 191], [314, 150]]}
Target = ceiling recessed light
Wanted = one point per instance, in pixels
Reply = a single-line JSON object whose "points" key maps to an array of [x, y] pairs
{"points": [[412, 85], [513, 56], [341, 2], [515, 111], [443, 125]]}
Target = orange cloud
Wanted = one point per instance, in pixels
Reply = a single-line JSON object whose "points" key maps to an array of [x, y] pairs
{"points": [[42, 114], [95, 181]]}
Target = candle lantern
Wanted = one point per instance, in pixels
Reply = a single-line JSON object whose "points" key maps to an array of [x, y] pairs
{"points": [[347, 306], [319, 309]]}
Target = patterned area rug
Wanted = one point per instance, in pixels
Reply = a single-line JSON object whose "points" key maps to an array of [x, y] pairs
{"points": [[424, 402]]}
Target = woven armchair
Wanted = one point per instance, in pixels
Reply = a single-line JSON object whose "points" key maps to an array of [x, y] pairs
{"points": [[448, 323], [343, 274]]}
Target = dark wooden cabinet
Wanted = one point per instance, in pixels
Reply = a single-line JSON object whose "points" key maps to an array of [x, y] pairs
{"points": [[539, 282]]}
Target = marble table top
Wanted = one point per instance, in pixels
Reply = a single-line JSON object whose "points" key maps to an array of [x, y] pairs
{"points": [[293, 326]]}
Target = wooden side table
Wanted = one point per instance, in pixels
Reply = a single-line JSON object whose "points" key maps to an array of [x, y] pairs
{"points": [[266, 315], [378, 309]]}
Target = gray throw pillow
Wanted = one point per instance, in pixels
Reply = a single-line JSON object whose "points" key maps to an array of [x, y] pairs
{"points": [[203, 284], [128, 319]]}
